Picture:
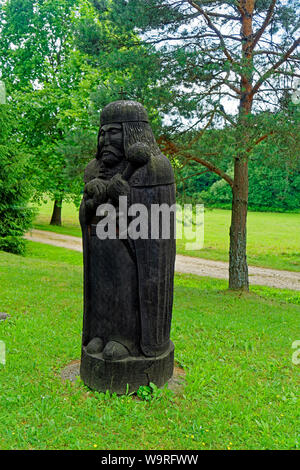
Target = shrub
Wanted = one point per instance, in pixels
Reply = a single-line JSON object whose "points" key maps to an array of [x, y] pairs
{"points": [[15, 215]]}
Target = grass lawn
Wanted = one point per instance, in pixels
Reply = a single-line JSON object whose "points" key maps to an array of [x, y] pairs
{"points": [[241, 389], [273, 238]]}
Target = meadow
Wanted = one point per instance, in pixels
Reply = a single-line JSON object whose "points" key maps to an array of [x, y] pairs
{"points": [[273, 238], [241, 389]]}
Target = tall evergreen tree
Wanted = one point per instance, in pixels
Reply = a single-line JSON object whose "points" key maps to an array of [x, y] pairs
{"points": [[15, 215], [224, 62]]}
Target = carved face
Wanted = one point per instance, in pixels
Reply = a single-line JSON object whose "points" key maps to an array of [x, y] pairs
{"points": [[111, 144]]}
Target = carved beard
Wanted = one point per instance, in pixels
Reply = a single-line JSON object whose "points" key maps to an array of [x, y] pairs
{"points": [[110, 156], [115, 165]]}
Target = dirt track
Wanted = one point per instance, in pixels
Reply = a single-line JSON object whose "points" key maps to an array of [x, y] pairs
{"points": [[187, 264]]}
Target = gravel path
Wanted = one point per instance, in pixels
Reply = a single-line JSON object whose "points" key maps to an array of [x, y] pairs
{"points": [[187, 264]]}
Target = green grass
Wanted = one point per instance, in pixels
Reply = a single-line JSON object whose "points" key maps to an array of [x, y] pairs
{"points": [[273, 238], [69, 215], [241, 389]]}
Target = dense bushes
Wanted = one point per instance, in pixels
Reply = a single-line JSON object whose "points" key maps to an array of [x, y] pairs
{"points": [[270, 189], [15, 216]]}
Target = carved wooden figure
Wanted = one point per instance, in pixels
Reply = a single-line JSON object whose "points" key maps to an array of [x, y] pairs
{"points": [[128, 282]]}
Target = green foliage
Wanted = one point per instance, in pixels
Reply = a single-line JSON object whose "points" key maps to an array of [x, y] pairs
{"points": [[35, 38], [274, 189], [149, 392], [270, 189], [111, 45], [273, 161], [15, 216], [193, 66], [194, 61], [62, 63], [49, 84], [63, 60]]}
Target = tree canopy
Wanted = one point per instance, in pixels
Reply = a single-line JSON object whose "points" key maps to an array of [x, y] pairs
{"points": [[216, 77]]}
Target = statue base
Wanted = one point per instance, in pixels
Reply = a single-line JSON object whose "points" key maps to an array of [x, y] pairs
{"points": [[126, 375]]}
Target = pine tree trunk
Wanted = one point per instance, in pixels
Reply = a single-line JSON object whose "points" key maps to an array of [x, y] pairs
{"points": [[56, 214], [238, 268]]}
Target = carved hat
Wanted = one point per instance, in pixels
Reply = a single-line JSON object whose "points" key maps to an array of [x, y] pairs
{"points": [[123, 111], [136, 129]]}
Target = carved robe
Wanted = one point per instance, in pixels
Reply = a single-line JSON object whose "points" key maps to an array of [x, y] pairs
{"points": [[128, 284]]}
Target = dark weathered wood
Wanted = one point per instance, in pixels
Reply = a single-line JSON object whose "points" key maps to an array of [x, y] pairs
{"points": [[126, 375], [128, 283]]}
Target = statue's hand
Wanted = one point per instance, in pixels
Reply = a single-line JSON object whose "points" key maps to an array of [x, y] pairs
{"points": [[117, 187], [96, 190]]}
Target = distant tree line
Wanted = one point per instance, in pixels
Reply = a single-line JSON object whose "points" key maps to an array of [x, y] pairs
{"points": [[270, 190]]}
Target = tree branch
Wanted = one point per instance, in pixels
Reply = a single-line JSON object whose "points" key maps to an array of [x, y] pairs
{"points": [[212, 26], [265, 24], [263, 137], [172, 149], [232, 87], [265, 52], [275, 66], [214, 169], [221, 15], [195, 174], [195, 36]]}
